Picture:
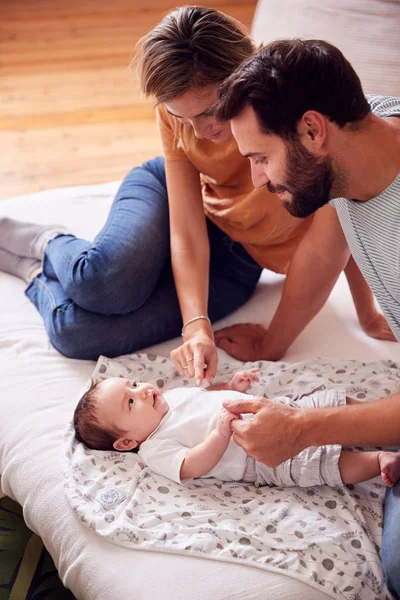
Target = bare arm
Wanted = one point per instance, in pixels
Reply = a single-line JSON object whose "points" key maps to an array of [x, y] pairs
{"points": [[361, 424], [240, 382], [219, 386], [204, 457], [278, 432], [317, 263], [190, 255], [371, 319]]}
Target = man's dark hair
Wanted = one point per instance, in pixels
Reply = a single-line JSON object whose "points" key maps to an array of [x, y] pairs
{"points": [[286, 78]]}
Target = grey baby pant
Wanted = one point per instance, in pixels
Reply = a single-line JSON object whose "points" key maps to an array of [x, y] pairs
{"points": [[316, 465]]}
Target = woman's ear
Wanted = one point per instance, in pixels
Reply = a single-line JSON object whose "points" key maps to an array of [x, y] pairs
{"points": [[125, 444]]}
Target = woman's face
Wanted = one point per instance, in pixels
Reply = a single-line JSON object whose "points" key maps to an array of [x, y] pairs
{"points": [[196, 108]]}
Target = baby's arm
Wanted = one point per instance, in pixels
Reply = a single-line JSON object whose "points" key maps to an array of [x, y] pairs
{"points": [[204, 457], [240, 382]]}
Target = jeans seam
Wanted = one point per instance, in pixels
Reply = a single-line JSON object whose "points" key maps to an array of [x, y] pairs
{"points": [[48, 292], [50, 296]]}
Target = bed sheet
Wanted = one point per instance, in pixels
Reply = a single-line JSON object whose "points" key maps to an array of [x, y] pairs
{"points": [[38, 391]]}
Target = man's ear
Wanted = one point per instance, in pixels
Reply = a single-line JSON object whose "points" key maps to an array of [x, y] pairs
{"points": [[125, 444], [312, 131]]}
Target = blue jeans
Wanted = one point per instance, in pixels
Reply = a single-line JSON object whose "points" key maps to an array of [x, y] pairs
{"points": [[391, 540], [116, 295]]}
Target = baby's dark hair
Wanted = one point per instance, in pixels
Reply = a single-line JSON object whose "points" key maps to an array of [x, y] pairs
{"points": [[87, 426]]}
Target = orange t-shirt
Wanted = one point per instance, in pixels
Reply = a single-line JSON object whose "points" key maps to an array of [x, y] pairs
{"points": [[253, 217]]}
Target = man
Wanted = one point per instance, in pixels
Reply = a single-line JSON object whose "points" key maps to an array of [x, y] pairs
{"points": [[298, 112]]}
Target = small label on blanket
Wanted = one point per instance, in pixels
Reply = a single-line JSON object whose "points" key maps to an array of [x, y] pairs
{"points": [[109, 498], [327, 537]]}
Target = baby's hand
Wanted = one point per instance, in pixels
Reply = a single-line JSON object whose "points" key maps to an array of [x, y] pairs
{"points": [[224, 422], [242, 380]]}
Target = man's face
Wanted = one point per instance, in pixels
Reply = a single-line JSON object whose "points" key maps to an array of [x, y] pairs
{"points": [[302, 181]]}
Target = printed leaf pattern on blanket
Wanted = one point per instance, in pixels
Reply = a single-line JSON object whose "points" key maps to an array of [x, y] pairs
{"points": [[327, 537]]}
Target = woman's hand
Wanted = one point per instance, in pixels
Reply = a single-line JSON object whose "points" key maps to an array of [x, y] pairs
{"points": [[197, 357]]}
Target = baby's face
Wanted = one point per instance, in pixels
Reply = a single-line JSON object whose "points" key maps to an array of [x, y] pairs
{"points": [[132, 406]]}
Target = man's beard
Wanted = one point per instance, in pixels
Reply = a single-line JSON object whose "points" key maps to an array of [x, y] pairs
{"points": [[309, 181]]}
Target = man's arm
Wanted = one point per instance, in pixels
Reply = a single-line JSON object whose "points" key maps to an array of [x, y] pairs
{"points": [[205, 456], [371, 319], [317, 263], [373, 423], [278, 432]]}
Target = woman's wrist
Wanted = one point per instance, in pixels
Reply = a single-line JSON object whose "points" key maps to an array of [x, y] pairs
{"points": [[199, 327], [194, 320]]}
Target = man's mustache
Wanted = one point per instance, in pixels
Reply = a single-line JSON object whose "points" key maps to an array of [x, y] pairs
{"points": [[275, 189]]}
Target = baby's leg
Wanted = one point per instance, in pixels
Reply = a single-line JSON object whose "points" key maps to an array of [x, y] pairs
{"points": [[361, 466], [358, 466]]}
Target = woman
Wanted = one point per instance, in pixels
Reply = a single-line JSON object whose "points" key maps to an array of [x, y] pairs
{"points": [[123, 292]]}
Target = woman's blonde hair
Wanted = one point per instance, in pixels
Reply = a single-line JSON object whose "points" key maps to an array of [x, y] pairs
{"points": [[192, 47]]}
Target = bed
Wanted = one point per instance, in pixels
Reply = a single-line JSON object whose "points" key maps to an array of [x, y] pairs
{"points": [[38, 391], [39, 388]]}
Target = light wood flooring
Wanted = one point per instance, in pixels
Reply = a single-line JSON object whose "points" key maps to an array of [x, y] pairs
{"points": [[70, 109]]}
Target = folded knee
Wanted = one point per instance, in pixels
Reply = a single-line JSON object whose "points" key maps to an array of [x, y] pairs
{"points": [[73, 334], [110, 301], [110, 293], [74, 342]]}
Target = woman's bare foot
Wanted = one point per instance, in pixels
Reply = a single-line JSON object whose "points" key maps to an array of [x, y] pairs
{"points": [[389, 463]]}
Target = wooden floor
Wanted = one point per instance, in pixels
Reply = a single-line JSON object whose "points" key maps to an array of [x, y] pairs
{"points": [[70, 109]]}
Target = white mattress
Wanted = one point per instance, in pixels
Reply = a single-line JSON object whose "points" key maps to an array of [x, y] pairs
{"points": [[38, 391]]}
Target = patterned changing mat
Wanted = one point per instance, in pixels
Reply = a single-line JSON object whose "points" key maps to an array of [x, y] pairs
{"points": [[327, 537]]}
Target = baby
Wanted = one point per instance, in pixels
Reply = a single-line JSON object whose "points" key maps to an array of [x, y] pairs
{"points": [[185, 433]]}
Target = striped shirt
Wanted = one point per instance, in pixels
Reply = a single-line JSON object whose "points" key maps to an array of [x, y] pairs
{"points": [[372, 230]]}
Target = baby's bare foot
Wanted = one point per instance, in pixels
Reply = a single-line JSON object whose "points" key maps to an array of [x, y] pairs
{"points": [[389, 463]]}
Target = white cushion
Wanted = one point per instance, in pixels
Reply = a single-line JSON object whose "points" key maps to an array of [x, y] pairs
{"points": [[366, 31]]}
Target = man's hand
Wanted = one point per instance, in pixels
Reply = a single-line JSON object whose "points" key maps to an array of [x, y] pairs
{"points": [[244, 341], [242, 380], [377, 327], [273, 435]]}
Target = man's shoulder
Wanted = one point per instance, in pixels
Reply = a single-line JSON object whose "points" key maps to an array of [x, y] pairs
{"points": [[384, 106]]}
